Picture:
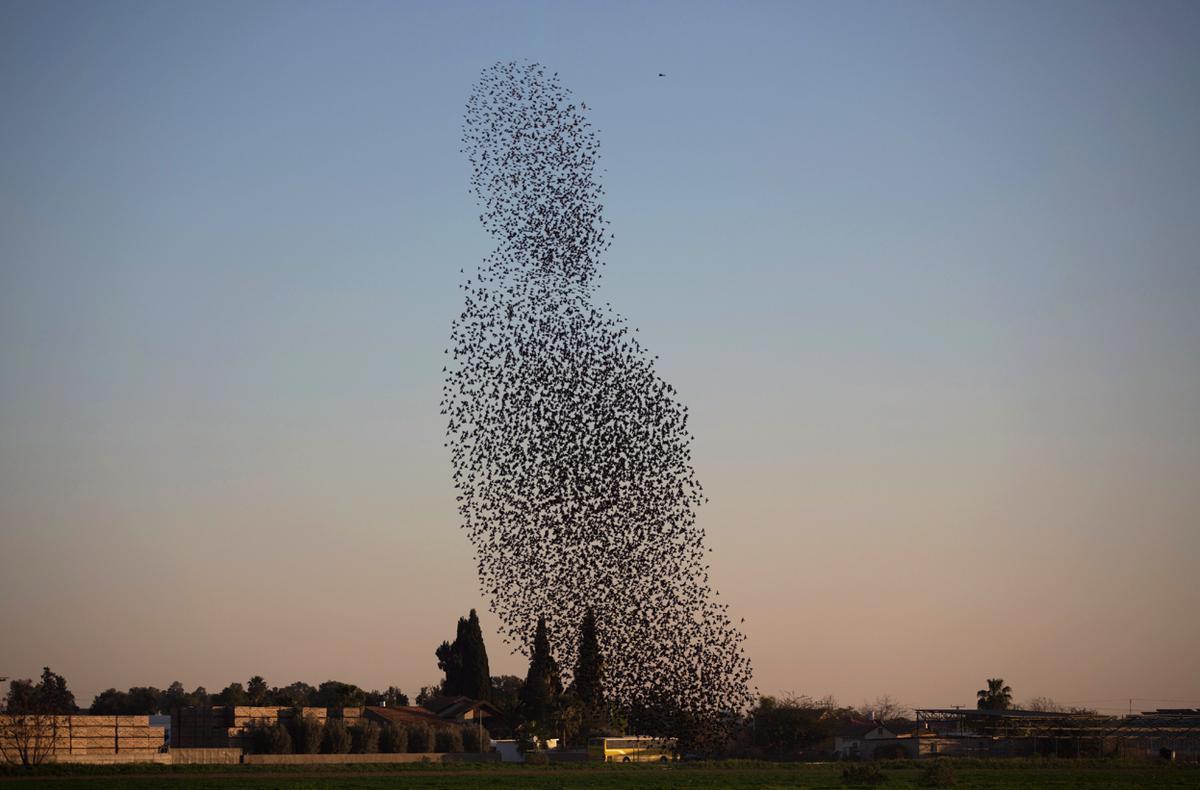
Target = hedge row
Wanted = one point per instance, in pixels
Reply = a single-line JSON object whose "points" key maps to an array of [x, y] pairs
{"points": [[307, 735]]}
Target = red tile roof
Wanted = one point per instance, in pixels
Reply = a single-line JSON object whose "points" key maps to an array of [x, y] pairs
{"points": [[412, 714]]}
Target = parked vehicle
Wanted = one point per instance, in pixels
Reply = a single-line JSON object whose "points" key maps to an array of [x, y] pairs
{"points": [[632, 749]]}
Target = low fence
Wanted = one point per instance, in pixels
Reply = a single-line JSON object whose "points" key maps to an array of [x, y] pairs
{"points": [[1185, 749], [205, 756], [160, 758], [226, 756]]}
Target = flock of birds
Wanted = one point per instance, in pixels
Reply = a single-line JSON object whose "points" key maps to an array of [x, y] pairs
{"points": [[571, 456]]}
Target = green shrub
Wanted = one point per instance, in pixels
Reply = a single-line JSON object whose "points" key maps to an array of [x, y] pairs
{"points": [[938, 774], [537, 757], [393, 739], [420, 739], [336, 738], [270, 739], [278, 740], [448, 740], [863, 774], [257, 733], [306, 734], [364, 737]]}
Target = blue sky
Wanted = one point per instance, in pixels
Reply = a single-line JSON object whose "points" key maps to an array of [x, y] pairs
{"points": [[925, 273]]}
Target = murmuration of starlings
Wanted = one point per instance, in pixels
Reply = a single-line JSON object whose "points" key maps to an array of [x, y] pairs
{"points": [[571, 456]]}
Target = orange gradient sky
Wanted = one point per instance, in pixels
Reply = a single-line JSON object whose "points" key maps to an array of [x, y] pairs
{"points": [[925, 275]]}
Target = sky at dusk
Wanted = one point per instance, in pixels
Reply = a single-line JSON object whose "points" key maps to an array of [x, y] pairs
{"points": [[926, 275]]}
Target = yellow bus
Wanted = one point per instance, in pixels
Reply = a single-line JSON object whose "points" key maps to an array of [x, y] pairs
{"points": [[631, 749]]}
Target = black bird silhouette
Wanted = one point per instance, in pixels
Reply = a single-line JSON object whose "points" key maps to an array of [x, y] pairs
{"points": [[570, 455], [661, 74]]}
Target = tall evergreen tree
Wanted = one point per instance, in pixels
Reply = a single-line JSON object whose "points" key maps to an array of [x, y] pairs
{"points": [[465, 661], [589, 666], [543, 684], [477, 676]]}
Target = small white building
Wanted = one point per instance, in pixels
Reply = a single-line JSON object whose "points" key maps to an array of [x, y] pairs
{"points": [[868, 740]]}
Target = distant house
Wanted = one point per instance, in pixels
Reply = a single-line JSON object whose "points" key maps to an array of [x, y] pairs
{"points": [[405, 715], [871, 740], [462, 709]]}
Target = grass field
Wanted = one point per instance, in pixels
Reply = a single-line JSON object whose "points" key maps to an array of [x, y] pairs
{"points": [[968, 774], [732, 774]]}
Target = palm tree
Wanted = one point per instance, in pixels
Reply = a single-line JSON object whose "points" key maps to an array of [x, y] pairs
{"points": [[996, 696]]}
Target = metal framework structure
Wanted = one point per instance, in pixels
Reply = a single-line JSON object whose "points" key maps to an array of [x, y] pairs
{"points": [[1166, 732]]}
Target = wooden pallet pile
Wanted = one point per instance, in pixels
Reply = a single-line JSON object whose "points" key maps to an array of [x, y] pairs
{"points": [[131, 735], [244, 719]]}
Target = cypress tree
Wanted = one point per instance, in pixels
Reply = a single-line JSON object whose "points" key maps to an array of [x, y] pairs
{"points": [[589, 668], [543, 684], [465, 661], [477, 677]]}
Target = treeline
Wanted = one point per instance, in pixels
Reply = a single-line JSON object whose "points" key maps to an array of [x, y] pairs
{"points": [[330, 694], [534, 708], [51, 695], [792, 726], [799, 727]]}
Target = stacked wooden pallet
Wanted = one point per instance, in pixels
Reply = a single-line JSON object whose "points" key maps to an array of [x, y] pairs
{"points": [[94, 734], [35, 734], [135, 735], [248, 716], [244, 719], [84, 734]]}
